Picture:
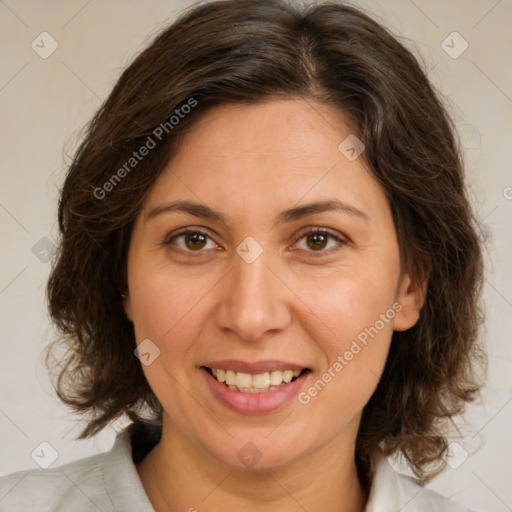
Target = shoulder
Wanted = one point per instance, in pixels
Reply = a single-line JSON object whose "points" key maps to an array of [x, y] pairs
{"points": [[78, 484], [108, 481], [391, 492]]}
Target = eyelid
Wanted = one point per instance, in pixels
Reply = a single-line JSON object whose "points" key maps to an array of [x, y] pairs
{"points": [[307, 230], [318, 229], [185, 231], [310, 230]]}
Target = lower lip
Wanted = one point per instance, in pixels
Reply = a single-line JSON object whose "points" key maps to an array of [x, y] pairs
{"points": [[254, 403]]}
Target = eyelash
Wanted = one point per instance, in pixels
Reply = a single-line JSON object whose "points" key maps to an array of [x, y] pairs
{"points": [[300, 236]]}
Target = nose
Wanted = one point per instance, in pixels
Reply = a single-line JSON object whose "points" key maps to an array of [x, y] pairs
{"points": [[255, 302]]}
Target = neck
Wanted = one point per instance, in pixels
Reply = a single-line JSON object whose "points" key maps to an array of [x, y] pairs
{"points": [[179, 475]]}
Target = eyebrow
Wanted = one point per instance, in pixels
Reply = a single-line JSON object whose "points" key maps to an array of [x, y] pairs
{"points": [[206, 212]]}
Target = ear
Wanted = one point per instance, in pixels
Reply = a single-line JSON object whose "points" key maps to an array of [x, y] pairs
{"points": [[411, 297], [127, 305]]}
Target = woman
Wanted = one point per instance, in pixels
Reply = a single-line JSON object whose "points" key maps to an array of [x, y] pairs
{"points": [[269, 263]]}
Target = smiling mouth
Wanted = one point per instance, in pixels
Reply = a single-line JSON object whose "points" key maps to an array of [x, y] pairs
{"points": [[255, 383]]}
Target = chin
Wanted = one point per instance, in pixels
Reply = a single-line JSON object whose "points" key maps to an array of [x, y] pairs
{"points": [[258, 452]]}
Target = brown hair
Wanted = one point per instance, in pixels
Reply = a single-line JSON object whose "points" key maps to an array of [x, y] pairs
{"points": [[248, 51]]}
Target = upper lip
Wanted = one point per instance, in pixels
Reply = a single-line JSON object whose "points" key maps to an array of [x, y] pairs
{"points": [[253, 367]]}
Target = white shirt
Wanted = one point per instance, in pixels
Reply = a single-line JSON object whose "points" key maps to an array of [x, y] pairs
{"points": [[109, 482]]}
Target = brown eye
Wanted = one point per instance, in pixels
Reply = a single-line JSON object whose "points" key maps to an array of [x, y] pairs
{"points": [[195, 241], [319, 241], [316, 241], [190, 240]]}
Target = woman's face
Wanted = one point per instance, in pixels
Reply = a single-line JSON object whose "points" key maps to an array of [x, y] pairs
{"points": [[252, 295]]}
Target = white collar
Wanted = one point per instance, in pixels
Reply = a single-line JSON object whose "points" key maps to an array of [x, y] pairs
{"points": [[393, 492], [390, 491]]}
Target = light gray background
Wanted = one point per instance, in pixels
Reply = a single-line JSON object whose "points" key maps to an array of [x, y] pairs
{"points": [[45, 102]]}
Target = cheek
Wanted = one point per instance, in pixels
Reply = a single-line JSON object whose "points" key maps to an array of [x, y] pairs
{"points": [[161, 292], [169, 310], [352, 325], [344, 306], [170, 314]]}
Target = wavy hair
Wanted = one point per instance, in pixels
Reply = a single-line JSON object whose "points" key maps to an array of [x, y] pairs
{"points": [[247, 51]]}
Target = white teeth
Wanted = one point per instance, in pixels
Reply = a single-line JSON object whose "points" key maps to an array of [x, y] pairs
{"points": [[243, 380], [287, 375], [276, 378], [260, 382], [230, 378]]}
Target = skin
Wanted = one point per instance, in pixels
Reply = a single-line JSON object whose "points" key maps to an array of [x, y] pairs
{"points": [[300, 301]]}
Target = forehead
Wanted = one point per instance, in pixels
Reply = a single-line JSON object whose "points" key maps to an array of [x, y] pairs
{"points": [[288, 130], [256, 158]]}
